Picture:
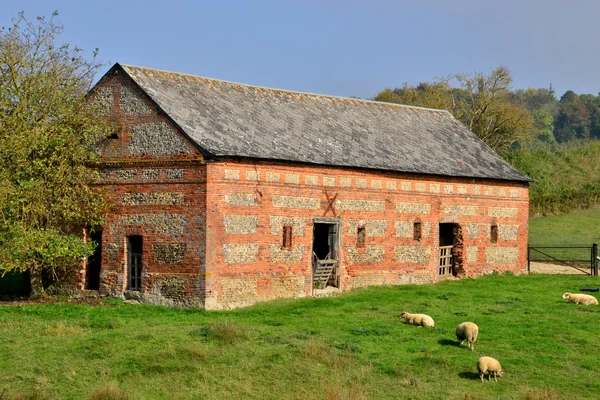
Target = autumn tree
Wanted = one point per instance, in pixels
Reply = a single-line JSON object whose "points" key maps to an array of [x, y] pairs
{"points": [[47, 137], [482, 102]]}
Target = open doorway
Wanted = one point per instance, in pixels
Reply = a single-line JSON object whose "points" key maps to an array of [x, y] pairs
{"points": [[326, 271], [451, 250], [94, 263]]}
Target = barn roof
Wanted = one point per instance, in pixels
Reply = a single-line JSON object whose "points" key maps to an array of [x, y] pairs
{"points": [[238, 120]]}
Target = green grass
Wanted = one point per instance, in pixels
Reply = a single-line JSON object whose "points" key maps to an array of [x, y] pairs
{"points": [[348, 347]]}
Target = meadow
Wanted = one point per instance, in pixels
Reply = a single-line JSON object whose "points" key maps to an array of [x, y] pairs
{"points": [[347, 347]]}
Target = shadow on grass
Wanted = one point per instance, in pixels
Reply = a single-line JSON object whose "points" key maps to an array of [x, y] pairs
{"points": [[448, 342], [469, 375]]}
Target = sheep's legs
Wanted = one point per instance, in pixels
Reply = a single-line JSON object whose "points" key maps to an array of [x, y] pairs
{"points": [[495, 376], [481, 376]]}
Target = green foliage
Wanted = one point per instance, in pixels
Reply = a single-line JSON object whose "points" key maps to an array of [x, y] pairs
{"points": [[484, 103], [351, 346], [566, 178], [47, 136]]}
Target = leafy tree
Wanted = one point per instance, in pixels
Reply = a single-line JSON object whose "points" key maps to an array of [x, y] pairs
{"points": [[484, 103], [47, 136]]}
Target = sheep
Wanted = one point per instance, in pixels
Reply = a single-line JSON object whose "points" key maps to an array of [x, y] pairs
{"points": [[418, 319], [467, 331], [585, 299], [489, 365]]}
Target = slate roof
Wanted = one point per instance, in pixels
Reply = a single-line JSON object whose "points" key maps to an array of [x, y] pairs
{"points": [[238, 120]]}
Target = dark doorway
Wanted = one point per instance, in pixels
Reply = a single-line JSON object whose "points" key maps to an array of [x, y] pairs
{"points": [[94, 263], [451, 250], [325, 255], [134, 261]]}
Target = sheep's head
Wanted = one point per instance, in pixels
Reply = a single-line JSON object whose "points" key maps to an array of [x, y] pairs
{"points": [[501, 372], [566, 295], [403, 315]]}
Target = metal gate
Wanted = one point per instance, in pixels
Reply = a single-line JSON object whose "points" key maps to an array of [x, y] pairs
{"points": [[581, 258]]}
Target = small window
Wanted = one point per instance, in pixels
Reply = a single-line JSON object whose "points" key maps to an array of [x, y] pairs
{"points": [[287, 237], [113, 135], [361, 235], [494, 234], [417, 231]]}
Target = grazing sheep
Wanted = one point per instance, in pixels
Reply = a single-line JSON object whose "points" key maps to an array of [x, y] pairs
{"points": [[585, 299], [467, 331], [417, 319], [489, 365]]}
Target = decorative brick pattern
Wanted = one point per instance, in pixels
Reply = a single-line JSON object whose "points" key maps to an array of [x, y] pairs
{"points": [[328, 181], [406, 186], [472, 252], [376, 184], [361, 183], [501, 254], [277, 222], [132, 103], [169, 253], [434, 188], [346, 182], [404, 229], [150, 174], [476, 190], [507, 212], [296, 202], [273, 177], [252, 175], [514, 193], [501, 192], [413, 208], [152, 198], [461, 210], [280, 255], [240, 253], [174, 173], [293, 179], [155, 139], [288, 287], [237, 293], [508, 232], [233, 174], [426, 229], [371, 254], [167, 224], [240, 224], [448, 189], [462, 190], [361, 205], [375, 228], [105, 100], [239, 199], [311, 180], [390, 185], [420, 187], [472, 231], [125, 174], [413, 254], [488, 191]]}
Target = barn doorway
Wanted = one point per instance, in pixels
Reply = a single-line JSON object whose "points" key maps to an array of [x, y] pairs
{"points": [[94, 263], [451, 250], [325, 250], [134, 261]]}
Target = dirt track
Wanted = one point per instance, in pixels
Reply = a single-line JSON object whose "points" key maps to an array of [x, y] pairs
{"points": [[543, 268]]}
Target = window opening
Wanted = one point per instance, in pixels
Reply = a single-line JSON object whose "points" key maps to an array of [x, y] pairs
{"points": [[287, 237], [361, 236], [417, 231], [494, 233], [134, 261]]}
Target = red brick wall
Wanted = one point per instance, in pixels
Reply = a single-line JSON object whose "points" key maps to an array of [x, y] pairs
{"points": [[212, 232], [245, 199]]}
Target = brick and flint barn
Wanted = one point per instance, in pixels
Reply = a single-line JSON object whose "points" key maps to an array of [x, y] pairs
{"points": [[226, 194]]}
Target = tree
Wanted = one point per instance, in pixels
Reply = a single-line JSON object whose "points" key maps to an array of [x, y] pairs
{"points": [[48, 132], [484, 103]]}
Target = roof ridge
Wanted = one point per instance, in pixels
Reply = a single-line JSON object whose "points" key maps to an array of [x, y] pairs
{"points": [[327, 96]]}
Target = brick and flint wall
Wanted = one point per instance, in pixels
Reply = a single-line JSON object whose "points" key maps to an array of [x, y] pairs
{"points": [[156, 182], [248, 204], [212, 231]]}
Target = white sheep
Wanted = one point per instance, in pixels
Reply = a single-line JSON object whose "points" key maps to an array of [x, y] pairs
{"points": [[585, 299], [489, 365], [417, 319], [467, 331]]}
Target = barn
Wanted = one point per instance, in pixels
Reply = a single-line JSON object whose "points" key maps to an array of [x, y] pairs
{"points": [[224, 194]]}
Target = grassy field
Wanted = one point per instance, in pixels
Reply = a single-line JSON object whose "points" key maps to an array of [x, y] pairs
{"points": [[579, 228], [348, 347]]}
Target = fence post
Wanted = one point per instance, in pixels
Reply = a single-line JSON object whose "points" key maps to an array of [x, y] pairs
{"points": [[528, 260], [595, 258]]}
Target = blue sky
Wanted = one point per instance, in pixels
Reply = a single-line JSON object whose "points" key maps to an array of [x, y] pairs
{"points": [[339, 47]]}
